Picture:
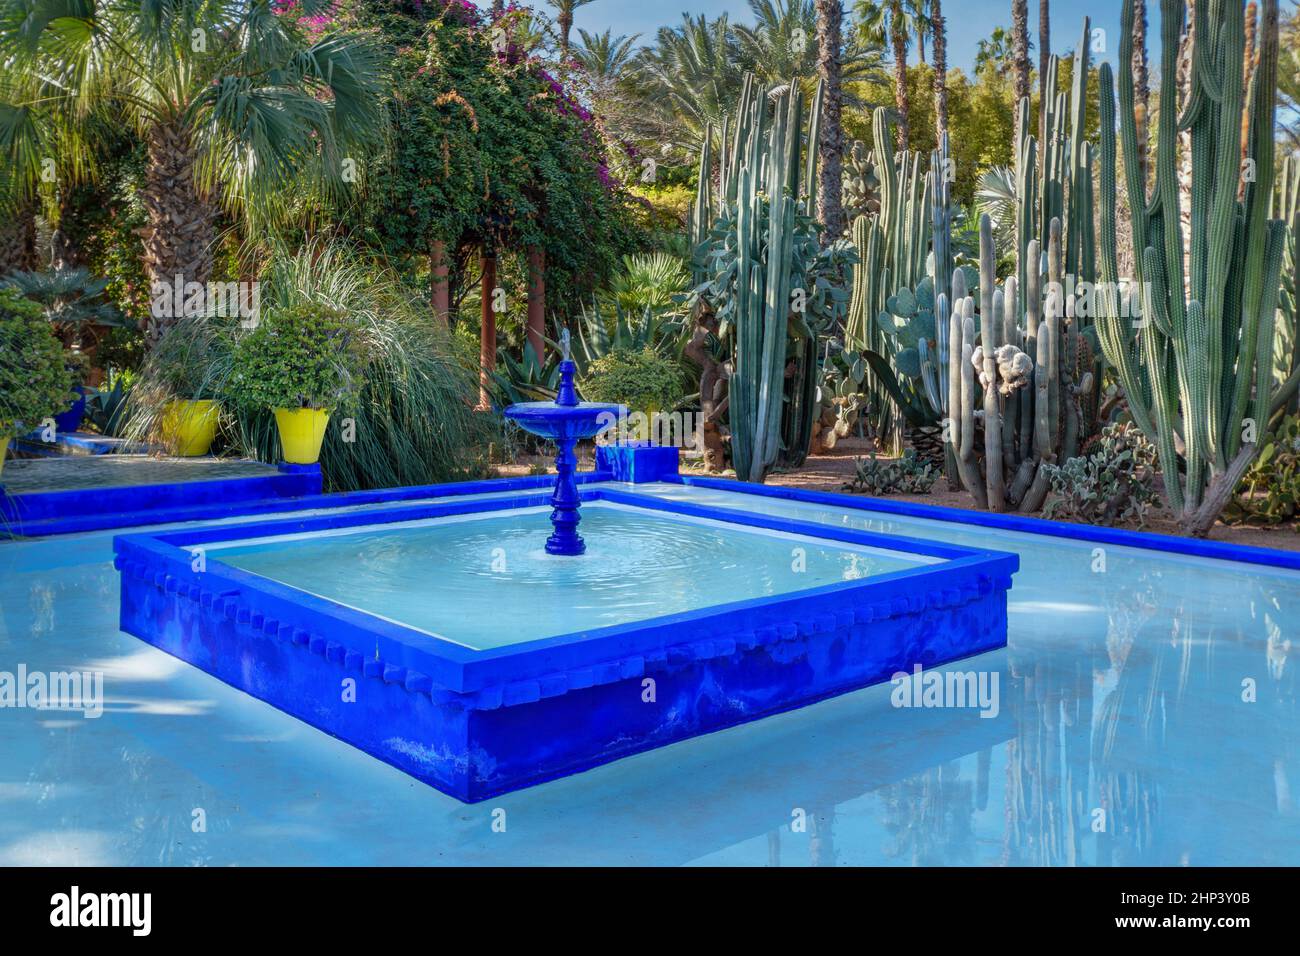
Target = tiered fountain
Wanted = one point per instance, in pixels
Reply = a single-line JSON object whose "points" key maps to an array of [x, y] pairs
{"points": [[565, 421]]}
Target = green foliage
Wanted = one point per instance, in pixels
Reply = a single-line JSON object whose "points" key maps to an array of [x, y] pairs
{"points": [[190, 361], [889, 476], [34, 379], [1269, 494], [302, 356], [70, 299], [642, 380], [1114, 483], [410, 421], [650, 281], [489, 149]]}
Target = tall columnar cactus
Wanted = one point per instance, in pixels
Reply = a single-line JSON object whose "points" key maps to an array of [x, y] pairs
{"points": [[893, 247], [1198, 371], [762, 247], [1286, 359]]}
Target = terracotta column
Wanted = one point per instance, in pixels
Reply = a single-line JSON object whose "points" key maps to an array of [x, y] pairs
{"points": [[487, 353], [441, 294], [537, 300]]}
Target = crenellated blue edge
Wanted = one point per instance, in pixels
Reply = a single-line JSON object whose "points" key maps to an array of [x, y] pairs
{"points": [[769, 654], [1120, 537]]}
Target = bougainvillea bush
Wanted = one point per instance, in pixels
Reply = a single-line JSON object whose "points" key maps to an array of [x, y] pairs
{"points": [[487, 149]]}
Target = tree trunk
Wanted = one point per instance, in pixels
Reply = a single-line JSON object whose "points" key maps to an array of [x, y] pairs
{"points": [[181, 231], [898, 39], [713, 400], [830, 206], [487, 352], [537, 302], [440, 279], [18, 240], [1020, 46], [940, 26], [565, 20]]}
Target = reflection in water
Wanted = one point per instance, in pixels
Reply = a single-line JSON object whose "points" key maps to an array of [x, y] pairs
{"points": [[1147, 716]]}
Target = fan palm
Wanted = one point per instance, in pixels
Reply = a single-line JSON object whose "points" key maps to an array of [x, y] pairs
{"points": [[233, 99]]}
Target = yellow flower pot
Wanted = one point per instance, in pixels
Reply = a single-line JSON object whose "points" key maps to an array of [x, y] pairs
{"points": [[4, 450], [189, 425], [302, 430]]}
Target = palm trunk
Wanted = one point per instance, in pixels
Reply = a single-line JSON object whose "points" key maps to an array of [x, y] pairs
{"points": [[18, 240], [898, 39], [940, 69], [181, 231], [1020, 46], [830, 206], [565, 21]]}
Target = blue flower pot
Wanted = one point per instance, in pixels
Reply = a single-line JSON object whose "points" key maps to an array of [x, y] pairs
{"points": [[70, 420]]}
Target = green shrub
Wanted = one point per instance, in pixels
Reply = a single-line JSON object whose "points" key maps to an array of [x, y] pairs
{"points": [[299, 356], [413, 420], [1269, 494], [642, 380], [905, 475], [1113, 483], [34, 378]]}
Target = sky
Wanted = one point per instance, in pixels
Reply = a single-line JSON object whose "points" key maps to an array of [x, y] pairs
{"points": [[969, 21]]}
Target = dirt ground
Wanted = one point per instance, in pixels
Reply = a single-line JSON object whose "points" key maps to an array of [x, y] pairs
{"points": [[830, 472]]}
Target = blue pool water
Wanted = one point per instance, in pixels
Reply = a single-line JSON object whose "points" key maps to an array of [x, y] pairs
{"points": [[1155, 694], [487, 582]]}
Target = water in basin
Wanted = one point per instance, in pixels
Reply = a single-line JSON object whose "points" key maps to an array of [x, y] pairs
{"points": [[487, 582]]}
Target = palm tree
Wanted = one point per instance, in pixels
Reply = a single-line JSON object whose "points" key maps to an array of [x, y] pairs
{"points": [[920, 21], [830, 208], [687, 80], [881, 21], [232, 100], [898, 40], [1020, 46], [939, 30], [604, 56], [779, 45], [564, 18]]}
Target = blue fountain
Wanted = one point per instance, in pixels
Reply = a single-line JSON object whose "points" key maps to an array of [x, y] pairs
{"points": [[565, 421]]}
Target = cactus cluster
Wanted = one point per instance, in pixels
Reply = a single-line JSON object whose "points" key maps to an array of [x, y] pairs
{"points": [[773, 286], [1012, 377], [893, 248], [1199, 372]]}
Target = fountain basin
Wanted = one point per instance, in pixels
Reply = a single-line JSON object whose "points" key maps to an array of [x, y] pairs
{"points": [[564, 422], [496, 694]]}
